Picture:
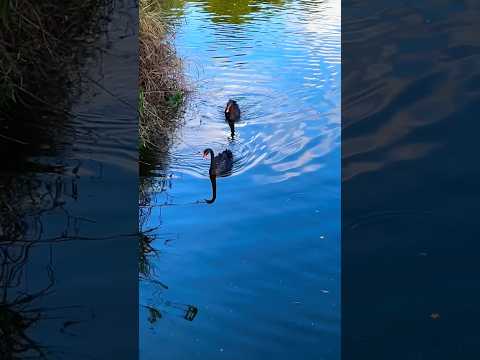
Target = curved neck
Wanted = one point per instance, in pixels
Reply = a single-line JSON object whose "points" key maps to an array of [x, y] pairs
{"points": [[212, 162]]}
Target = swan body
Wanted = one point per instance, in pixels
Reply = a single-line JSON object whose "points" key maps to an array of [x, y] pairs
{"points": [[232, 111], [221, 164]]}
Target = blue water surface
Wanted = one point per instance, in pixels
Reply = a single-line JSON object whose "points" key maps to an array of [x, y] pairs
{"points": [[261, 265]]}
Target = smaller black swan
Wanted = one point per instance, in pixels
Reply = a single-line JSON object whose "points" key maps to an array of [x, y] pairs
{"points": [[232, 114], [220, 165], [232, 111]]}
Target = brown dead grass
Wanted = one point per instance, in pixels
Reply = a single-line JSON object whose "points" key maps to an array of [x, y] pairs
{"points": [[39, 41], [161, 80]]}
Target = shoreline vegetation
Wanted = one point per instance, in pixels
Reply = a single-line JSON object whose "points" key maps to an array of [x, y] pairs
{"points": [[162, 93], [162, 85], [41, 48], [43, 45]]}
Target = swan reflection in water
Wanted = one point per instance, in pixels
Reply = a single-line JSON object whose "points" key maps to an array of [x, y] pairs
{"points": [[220, 165]]}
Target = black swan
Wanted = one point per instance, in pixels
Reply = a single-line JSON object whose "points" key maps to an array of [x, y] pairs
{"points": [[232, 111], [220, 165], [232, 114]]}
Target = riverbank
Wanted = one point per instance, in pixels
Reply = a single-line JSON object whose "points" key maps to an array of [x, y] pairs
{"points": [[162, 86], [68, 187], [40, 44], [162, 92]]}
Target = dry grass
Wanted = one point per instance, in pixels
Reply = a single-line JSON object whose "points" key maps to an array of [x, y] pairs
{"points": [[162, 84], [39, 42]]}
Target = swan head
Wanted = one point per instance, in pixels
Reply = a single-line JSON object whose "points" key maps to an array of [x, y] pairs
{"points": [[228, 108], [206, 152]]}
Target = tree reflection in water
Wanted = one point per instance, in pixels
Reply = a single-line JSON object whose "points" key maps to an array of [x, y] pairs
{"points": [[24, 200], [231, 12], [151, 188]]}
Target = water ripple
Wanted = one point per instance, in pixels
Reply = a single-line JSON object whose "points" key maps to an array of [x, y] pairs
{"points": [[288, 90]]}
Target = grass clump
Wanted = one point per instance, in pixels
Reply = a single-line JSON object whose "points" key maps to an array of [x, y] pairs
{"points": [[162, 84], [39, 42]]}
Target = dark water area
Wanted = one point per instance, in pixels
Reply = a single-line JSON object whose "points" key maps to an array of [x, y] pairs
{"points": [[255, 274], [68, 199], [410, 180]]}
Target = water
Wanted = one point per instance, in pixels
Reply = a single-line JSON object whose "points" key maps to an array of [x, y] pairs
{"points": [[410, 180], [261, 264], [60, 282]]}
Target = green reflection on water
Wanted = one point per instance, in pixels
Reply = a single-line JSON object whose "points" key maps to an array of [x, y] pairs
{"points": [[233, 12]]}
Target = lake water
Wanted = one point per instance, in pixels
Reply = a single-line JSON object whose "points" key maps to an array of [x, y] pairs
{"points": [[410, 180], [256, 274]]}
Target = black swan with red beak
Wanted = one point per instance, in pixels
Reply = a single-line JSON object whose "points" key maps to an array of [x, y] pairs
{"points": [[220, 165]]}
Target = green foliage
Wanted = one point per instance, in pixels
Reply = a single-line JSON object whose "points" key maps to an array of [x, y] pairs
{"points": [[232, 11], [175, 99]]}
